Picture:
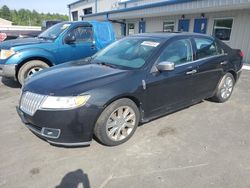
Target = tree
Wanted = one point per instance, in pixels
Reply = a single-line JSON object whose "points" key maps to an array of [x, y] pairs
{"points": [[5, 13], [27, 17]]}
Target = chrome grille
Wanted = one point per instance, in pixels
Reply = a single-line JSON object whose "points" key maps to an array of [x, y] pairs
{"points": [[30, 102]]}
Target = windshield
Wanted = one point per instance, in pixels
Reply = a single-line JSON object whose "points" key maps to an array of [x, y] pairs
{"points": [[54, 31], [128, 52]]}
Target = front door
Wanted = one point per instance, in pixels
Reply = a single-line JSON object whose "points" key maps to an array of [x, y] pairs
{"points": [[81, 48], [142, 27], [200, 25], [171, 89], [183, 25]]}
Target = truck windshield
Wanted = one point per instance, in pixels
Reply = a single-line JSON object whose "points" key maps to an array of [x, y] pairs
{"points": [[54, 31], [129, 52]]}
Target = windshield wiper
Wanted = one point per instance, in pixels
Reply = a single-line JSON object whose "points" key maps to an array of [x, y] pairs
{"points": [[45, 38], [106, 64]]}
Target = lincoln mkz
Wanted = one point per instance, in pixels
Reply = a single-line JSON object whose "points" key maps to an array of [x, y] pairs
{"points": [[132, 81]]}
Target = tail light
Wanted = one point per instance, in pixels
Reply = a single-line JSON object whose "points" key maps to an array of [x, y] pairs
{"points": [[3, 36], [241, 54]]}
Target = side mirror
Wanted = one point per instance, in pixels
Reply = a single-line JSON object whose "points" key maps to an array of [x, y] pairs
{"points": [[165, 66], [69, 39]]}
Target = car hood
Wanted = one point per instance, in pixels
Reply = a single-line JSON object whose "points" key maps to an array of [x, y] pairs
{"points": [[20, 42], [71, 79]]}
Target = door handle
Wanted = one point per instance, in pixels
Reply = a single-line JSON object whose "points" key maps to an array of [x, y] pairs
{"points": [[224, 62], [92, 47], [191, 72]]}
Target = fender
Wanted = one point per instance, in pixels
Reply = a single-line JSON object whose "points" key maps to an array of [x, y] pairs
{"points": [[29, 53]]}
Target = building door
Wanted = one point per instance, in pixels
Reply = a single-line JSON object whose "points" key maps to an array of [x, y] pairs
{"points": [[131, 28], [183, 25], [123, 29], [200, 25], [142, 27]]}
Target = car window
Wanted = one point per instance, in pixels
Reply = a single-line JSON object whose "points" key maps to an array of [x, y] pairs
{"points": [[205, 47], [178, 52], [82, 34], [128, 52]]}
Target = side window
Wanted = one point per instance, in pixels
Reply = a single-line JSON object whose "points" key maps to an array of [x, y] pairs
{"points": [[82, 34], [178, 52], [205, 48], [220, 50]]}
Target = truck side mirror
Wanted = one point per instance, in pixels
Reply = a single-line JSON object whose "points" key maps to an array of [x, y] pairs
{"points": [[69, 39]]}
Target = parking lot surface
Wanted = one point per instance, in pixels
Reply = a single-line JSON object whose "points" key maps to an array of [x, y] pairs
{"points": [[205, 145]]}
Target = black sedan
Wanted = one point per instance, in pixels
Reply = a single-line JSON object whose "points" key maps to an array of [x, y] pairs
{"points": [[132, 81]]}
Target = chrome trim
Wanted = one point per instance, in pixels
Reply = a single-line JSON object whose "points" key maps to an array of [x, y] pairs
{"points": [[70, 144], [31, 102], [205, 58]]}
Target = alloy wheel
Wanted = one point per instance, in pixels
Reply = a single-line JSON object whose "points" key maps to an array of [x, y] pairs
{"points": [[227, 88], [120, 123]]}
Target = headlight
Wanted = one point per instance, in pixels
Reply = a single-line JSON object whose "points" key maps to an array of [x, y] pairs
{"points": [[4, 54], [52, 102]]}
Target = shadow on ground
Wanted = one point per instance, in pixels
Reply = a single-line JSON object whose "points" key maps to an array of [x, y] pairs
{"points": [[10, 83], [74, 179]]}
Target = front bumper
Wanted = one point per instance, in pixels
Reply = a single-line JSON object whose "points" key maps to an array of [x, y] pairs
{"points": [[8, 71], [67, 128]]}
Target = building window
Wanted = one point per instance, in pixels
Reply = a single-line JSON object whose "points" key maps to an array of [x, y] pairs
{"points": [[87, 11], [75, 16], [168, 26], [131, 28], [223, 28]]}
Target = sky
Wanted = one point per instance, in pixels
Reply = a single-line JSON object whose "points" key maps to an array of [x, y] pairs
{"points": [[51, 6]]}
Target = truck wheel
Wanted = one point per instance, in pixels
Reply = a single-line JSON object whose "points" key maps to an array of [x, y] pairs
{"points": [[29, 69], [224, 89], [117, 123]]}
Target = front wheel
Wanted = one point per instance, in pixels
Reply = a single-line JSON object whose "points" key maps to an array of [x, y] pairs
{"points": [[117, 123], [29, 69], [224, 89]]}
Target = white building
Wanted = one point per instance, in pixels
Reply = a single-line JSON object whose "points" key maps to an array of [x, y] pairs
{"points": [[228, 20], [5, 22]]}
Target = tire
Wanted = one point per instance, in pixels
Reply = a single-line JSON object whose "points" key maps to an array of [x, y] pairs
{"points": [[111, 128], [224, 89], [26, 69]]}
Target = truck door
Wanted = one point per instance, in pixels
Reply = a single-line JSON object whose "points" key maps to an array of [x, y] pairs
{"points": [[82, 47]]}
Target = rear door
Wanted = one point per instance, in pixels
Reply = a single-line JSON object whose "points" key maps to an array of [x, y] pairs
{"points": [[81, 48], [211, 61]]}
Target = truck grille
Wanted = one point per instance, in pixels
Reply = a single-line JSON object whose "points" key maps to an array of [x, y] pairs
{"points": [[30, 102]]}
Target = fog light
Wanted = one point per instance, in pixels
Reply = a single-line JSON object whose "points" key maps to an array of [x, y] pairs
{"points": [[51, 133]]}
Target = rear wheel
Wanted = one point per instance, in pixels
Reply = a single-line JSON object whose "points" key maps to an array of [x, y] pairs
{"points": [[29, 69], [117, 123], [224, 89]]}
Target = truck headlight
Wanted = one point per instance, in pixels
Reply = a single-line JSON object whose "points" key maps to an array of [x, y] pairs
{"points": [[5, 54], [52, 102]]}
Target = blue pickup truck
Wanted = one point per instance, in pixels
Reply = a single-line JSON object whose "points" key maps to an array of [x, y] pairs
{"points": [[63, 42]]}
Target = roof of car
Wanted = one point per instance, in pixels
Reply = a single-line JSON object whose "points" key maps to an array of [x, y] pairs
{"points": [[167, 35]]}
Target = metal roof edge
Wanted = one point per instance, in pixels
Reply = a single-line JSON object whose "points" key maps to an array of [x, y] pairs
{"points": [[75, 2], [151, 5]]}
